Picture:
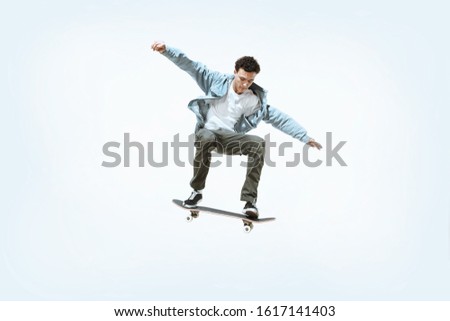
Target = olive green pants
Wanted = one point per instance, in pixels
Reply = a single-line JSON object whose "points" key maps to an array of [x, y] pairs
{"points": [[229, 143]]}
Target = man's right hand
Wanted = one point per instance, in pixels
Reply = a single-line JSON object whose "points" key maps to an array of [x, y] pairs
{"points": [[159, 46], [315, 144]]}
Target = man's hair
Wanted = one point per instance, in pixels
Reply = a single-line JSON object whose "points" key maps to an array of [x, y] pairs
{"points": [[249, 64]]}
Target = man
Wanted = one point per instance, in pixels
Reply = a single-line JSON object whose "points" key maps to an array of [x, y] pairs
{"points": [[232, 105]]}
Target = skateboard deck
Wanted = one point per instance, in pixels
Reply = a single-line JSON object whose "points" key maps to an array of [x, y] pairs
{"points": [[248, 222]]}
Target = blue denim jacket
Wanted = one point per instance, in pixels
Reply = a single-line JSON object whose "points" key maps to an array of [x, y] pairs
{"points": [[215, 85]]}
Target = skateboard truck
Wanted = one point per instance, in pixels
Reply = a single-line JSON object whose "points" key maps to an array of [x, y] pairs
{"points": [[194, 215]]}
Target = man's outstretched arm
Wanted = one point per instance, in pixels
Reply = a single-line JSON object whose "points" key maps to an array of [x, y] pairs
{"points": [[198, 71], [289, 126]]}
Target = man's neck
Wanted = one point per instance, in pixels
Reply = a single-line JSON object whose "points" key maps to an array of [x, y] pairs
{"points": [[233, 85]]}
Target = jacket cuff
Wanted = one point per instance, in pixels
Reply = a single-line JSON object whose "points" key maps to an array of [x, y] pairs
{"points": [[169, 52], [305, 139]]}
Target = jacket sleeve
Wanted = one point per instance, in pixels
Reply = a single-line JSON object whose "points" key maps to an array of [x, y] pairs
{"points": [[198, 71], [286, 124]]}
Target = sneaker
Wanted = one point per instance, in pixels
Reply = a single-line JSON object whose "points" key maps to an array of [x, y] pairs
{"points": [[193, 200], [250, 210]]}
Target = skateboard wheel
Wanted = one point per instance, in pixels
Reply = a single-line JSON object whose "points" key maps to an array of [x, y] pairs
{"points": [[189, 219], [248, 227]]}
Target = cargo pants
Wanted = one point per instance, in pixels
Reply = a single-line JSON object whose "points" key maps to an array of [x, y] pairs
{"points": [[229, 143]]}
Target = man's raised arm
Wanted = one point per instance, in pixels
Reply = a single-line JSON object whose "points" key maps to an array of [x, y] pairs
{"points": [[198, 71]]}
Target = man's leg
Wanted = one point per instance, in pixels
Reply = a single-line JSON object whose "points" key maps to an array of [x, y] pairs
{"points": [[205, 142], [253, 147]]}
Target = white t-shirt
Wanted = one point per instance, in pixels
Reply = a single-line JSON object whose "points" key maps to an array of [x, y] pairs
{"points": [[226, 111]]}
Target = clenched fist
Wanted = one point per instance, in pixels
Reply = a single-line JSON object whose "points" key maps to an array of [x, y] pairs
{"points": [[159, 46]]}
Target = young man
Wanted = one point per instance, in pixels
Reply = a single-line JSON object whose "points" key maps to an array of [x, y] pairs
{"points": [[232, 105]]}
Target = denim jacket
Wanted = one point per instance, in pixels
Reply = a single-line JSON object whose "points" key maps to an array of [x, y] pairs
{"points": [[215, 85]]}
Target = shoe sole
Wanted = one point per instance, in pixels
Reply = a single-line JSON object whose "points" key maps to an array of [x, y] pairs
{"points": [[252, 214], [191, 206]]}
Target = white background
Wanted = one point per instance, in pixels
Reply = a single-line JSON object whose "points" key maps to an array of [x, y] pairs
{"points": [[77, 75]]}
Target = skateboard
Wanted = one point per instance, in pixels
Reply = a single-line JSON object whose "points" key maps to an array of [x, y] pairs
{"points": [[248, 222]]}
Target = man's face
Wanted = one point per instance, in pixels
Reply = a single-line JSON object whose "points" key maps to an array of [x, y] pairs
{"points": [[242, 80]]}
